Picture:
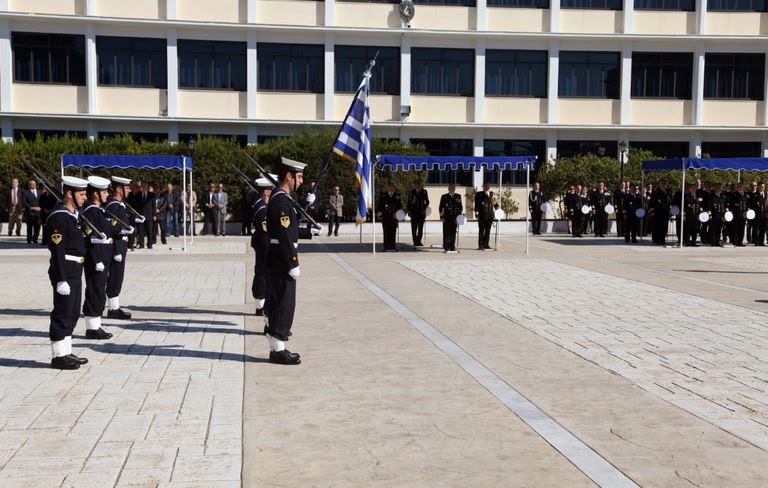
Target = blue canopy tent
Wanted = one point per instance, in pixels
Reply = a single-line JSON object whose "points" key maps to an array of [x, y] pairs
{"points": [[396, 162], [682, 164], [129, 161]]}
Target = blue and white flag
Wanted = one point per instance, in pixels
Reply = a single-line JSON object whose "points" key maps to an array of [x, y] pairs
{"points": [[354, 144]]}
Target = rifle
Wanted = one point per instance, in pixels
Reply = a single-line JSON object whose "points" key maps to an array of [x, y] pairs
{"points": [[140, 219], [51, 187]]}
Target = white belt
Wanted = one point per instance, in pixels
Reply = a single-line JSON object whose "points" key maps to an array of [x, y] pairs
{"points": [[125, 238], [275, 241], [76, 259]]}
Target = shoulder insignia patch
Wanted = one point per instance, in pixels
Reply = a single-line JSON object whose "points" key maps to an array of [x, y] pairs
{"points": [[264, 225], [56, 238], [114, 223], [285, 221], [88, 231]]}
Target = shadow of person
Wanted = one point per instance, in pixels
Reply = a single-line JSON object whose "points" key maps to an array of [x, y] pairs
{"points": [[22, 363], [181, 310], [178, 327], [167, 350], [36, 312], [19, 332]]}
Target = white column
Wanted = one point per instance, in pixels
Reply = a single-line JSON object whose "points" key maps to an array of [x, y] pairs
{"points": [[170, 9], [480, 14], [6, 130], [251, 13], [330, 19], [329, 70], [552, 83], [252, 74], [697, 118], [405, 72], [253, 135], [554, 15], [4, 6], [626, 83], [90, 7], [478, 149], [701, 16], [629, 11], [551, 146], [694, 148], [6, 67], [173, 74], [91, 130], [91, 67], [173, 133], [480, 82]]}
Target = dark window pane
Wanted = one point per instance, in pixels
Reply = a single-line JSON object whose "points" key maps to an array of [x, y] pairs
{"points": [[519, 3], [291, 67], [48, 58], [443, 71], [448, 147], [734, 76], [501, 147], [131, 61], [730, 149], [589, 74], [592, 4], [218, 65], [661, 75], [569, 149], [663, 149], [736, 5], [516, 73]]}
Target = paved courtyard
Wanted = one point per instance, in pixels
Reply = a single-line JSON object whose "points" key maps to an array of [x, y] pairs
{"points": [[583, 363]]}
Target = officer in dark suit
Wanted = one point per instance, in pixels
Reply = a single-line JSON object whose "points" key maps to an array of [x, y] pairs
{"points": [[389, 204], [599, 198], [535, 201], [282, 261], [121, 189], [145, 205], [659, 205], [703, 194], [260, 242], [578, 217], [418, 201], [31, 203], [485, 205], [690, 206], [718, 205], [98, 254], [47, 202], [758, 202], [739, 204], [65, 272], [618, 201], [450, 208], [750, 194], [569, 202], [631, 202]]}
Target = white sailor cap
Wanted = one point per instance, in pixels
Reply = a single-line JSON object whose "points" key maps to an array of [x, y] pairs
{"points": [[292, 165], [264, 182], [74, 182], [98, 182], [120, 180]]}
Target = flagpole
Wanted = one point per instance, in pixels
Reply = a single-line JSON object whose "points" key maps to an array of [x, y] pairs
{"points": [[373, 206]]}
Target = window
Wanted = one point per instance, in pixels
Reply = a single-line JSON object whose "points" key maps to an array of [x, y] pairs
{"points": [[463, 3], [519, 3], [592, 4], [661, 75], [137, 136], [291, 67], [665, 150], [501, 147], [32, 134], [730, 149], [737, 76], [589, 74], [132, 61], [436, 71], [352, 61], [680, 5], [48, 58], [569, 149], [736, 5], [448, 147], [215, 65], [516, 73]]}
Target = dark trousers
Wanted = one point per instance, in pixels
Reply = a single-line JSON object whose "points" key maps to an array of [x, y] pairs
{"points": [[158, 227], [145, 232], [630, 228], [116, 271], [737, 230], [417, 230], [704, 233], [33, 226], [246, 226], [95, 289], [577, 223], [66, 309], [660, 225], [333, 223], [484, 233], [758, 231], [280, 302], [620, 222], [601, 223], [715, 228], [536, 221], [750, 230], [449, 233], [390, 233], [209, 221], [259, 285], [690, 231]]}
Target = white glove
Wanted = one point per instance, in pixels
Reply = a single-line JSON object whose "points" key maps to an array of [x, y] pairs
{"points": [[99, 266], [96, 240], [310, 198], [119, 258], [140, 220], [62, 288], [127, 232], [295, 272], [317, 232]]}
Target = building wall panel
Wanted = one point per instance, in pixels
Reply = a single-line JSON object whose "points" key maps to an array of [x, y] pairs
{"points": [[661, 22], [207, 11], [591, 21], [135, 9], [383, 107], [55, 99], [515, 110], [290, 106], [212, 104], [142, 102], [290, 12], [736, 23], [60, 7], [660, 112], [587, 111], [733, 112], [440, 109], [517, 19]]}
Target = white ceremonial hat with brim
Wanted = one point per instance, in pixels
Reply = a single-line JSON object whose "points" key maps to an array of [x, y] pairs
{"points": [[120, 180], [293, 165], [74, 182], [264, 182], [98, 182]]}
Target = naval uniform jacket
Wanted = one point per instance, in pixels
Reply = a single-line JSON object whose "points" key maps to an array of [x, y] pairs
{"points": [[66, 245], [418, 201], [121, 233], [450, 207], [484, 206], [98, 251], [283, 230], [260, 237]]}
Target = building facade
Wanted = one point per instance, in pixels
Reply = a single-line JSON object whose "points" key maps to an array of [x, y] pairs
{"points": [[472, 77]]}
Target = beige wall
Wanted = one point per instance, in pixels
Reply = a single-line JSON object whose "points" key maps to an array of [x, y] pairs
{"points": [[290, 106], [383, 107], [354, 14], [736, 23], [663, 22], [517, 19], [732, 112], [134, 9], [588, 111], [447, 17], [212, 104], [55, 99], [591, 21], [660, 112], [62, 7], [212, 11], [503, 110], [436, 191], [435, 108], [290, 12], [146, 102]]}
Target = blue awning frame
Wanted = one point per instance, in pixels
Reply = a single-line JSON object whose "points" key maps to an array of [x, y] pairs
{"points": [[727, 164], [126, 161], [398, 162]]}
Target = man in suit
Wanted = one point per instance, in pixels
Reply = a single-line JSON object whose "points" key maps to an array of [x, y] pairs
{"points": [[659, 205], [209, 210], [31, 202], [484, 213], [632, 201], [189, 200], [171, 211], [335, 210], [758, 202], [450, 208], [222, 200], [535, 201], [418, 201], [145, 205], [15, 208], [159, 224], [598, 200], [389, 204]]}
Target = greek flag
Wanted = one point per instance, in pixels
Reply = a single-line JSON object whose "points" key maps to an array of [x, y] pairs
{"points": [[354, 144]]}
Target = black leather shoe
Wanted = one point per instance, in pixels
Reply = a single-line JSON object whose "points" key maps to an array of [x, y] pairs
{"points": [[78, 359], [283, 357], [64, 362], [266, 329], [98, 334], [119, 314], [164, 241], [259, 312]]}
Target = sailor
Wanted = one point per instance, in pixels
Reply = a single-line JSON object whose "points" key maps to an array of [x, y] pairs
{"points": [[577, 216], [65, 271], [739, 204], [718, 205], [282, 261], [599, 199], [485, 205], [450, 208], [98, 254], [659, 204], [759, 206], [260, 242], [389, 204], [418, 201], [121, 188], [535, 201]]}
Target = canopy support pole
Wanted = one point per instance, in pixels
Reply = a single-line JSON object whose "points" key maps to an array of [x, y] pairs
{"points": [[642, 200], [191, 207], [373, 208], [184, 186], [682, 210], [498, 222], [527, 192]]}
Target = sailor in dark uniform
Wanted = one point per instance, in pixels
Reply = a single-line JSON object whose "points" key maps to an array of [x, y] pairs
{"points": [[739, 205], [450, 208], [418, 201], [718, 205], [690, 206], [758, 203], [535, 201], [485, 206], [632, 201], [282, 261], [598, 200], [659, 205], [98, 254], [389, 204], [260, 242], [703, 194], [577, 216], [65, 271], [116, 269]]}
